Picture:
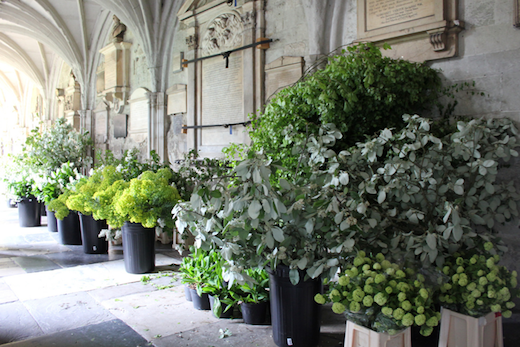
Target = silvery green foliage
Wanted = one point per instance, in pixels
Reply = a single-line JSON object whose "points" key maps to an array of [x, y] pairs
{"points": [[405, 193], [413, 193]]}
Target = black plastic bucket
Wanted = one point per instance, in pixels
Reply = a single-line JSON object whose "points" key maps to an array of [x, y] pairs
{"points": [[68, 229], [200, 302], [52, 222], [224, 313], [254, 314], [29, 213], [295, 316], [138, 248], [90, 229]]}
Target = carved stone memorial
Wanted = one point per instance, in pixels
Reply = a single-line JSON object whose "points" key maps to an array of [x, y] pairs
{"points": [[417, 30], [225, 80]]}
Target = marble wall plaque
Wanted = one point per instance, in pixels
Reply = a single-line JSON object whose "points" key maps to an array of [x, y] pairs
{"points": [[138, 122], [222, 98], [382, 13], [120, 125]]}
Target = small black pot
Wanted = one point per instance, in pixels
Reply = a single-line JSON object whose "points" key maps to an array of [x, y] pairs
{"points": [[224, 314], [200, 302], [138, 248], [69, 230], [52, 222], [254, 314], [187, 292], [29, 213], [90, 229]]}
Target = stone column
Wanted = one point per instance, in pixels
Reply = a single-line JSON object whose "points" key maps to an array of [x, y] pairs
{"points": [[191, 114]]}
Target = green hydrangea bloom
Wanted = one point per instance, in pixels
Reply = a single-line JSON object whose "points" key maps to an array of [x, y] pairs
{"points": [[379, 278], [455, 278], [362, 254], [400, 274], [398, 314], [472, 286], [319, 299], [380, 299], [432, 322], [459, 261], [393, 283], [507, 314], [481, 273], [510, 305], [488, 246], [460, 269], [424, 293], [480, 302], [401, 297], [491, 276], [389, 290], [366, 267], [358, 261], [385, 264], [514, 273], [390, 271], [338, 308], [368, 300], [408, 320], [343, 281], [426, 330], [514, 281], [358, 295], [420, 319], [470, 305], [387, 311], [376, 266], [368, 289], [490, 262], [354, 307], [334, 294], [476, 293], [369, 280], [496, 308], [406, 305], [491, 294], [380, 257], [446, 270], [420, 309]]}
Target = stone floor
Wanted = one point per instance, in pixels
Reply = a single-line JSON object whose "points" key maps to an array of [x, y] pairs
{"points": [[55, 295]]}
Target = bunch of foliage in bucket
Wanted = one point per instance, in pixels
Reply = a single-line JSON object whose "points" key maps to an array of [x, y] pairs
{"points": [[20, 186], [475, 285], [149, 199], [404, 192], [46, 150], [50, 187], [197, 271], [382, 296], [66, 180], [359, 91]]}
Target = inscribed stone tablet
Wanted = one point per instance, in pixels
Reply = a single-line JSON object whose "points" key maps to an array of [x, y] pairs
{"points": [[222, 90], [382, 13]]}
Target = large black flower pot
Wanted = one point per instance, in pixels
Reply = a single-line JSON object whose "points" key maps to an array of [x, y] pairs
{"points": [[90, 229], [295, 316], [254, 314], [52, 222], [29, 213], [138, 248], [69, 230]]}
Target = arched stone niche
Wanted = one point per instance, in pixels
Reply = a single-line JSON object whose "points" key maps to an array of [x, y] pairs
{"points": [[222, 89]]}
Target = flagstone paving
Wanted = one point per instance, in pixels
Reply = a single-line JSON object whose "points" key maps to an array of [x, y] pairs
{"points": [[56, 295]]}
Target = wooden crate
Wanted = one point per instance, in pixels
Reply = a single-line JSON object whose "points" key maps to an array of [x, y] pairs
{"points": [[358, 336], [459, 330]]}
